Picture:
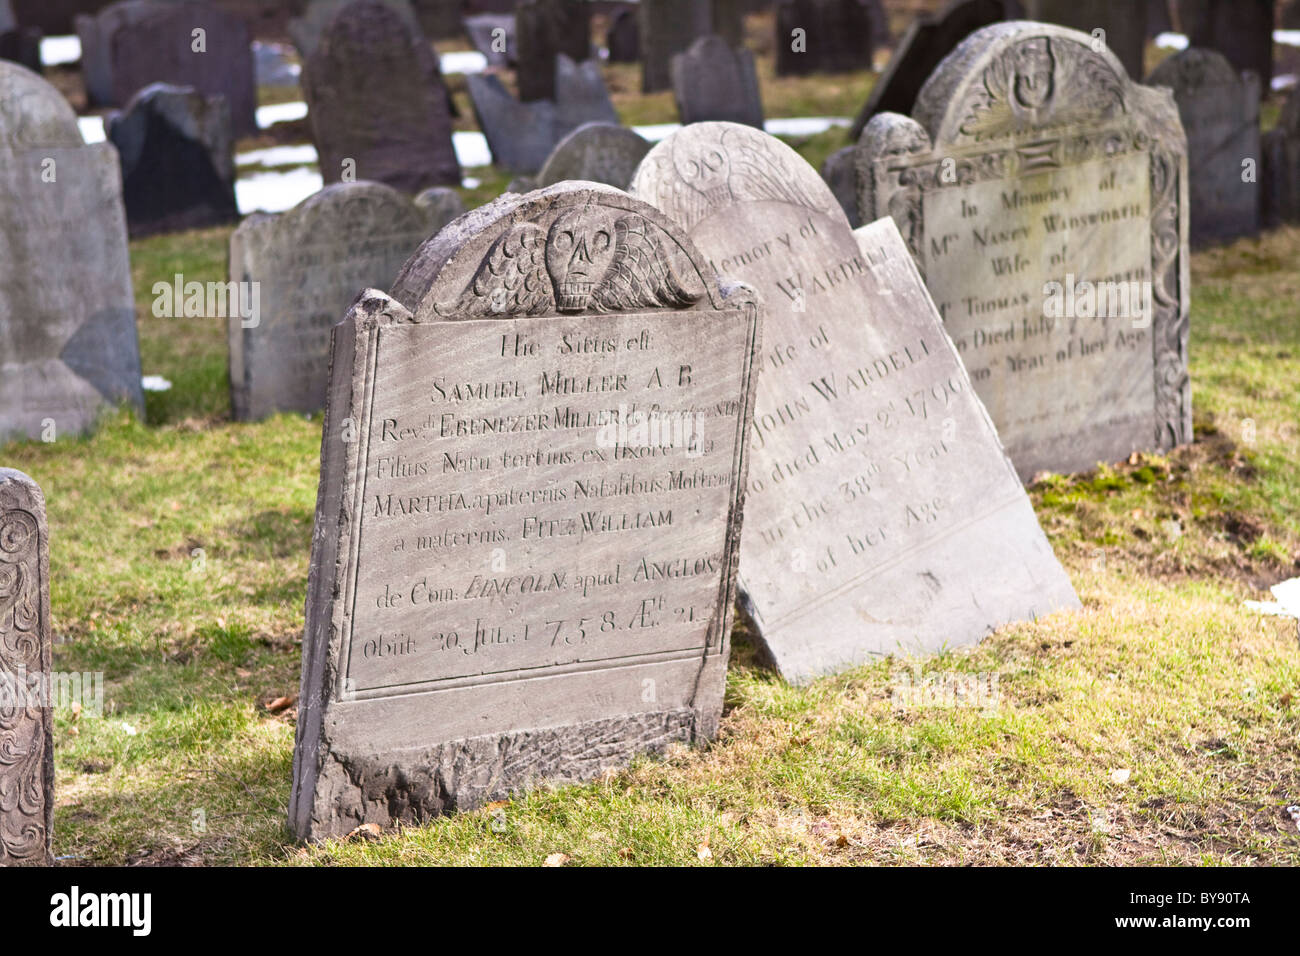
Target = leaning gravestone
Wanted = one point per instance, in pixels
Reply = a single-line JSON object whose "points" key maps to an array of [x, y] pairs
{"points": [[712, 81], [1281, 166], [178, 160], [526, 536], [161, 47], [376, 102], [26, 724], [544, 30], [308, 264], [827, 36], [664, 29], [595, 152], [522, 135], [1219, 110], [882, 513], [1044, 196], [68, 346]]}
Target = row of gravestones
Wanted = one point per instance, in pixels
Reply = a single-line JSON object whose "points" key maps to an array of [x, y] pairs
{"points": [[539, 444]]}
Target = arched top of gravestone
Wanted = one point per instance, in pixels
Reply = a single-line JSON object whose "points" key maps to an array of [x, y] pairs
{"points": [[599, 152], [573, 247], [705, 167], [1193, 68], [32, 112], [365, 207], [1024, 76]]}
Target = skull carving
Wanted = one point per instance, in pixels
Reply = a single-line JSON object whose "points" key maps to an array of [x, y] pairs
{"points": [[703, 165], [579, 250]]}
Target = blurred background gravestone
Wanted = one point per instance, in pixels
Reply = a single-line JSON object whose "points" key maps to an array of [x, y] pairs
{"points": [[713, 81], [597, 152]]}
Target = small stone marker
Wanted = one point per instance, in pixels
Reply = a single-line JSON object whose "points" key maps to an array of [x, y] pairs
{"points": [[178, 160], [1281, 166], [376, 102], [882, 513], [306, 31], [827, 36], [928, 39], [1043, 196], [666, 28], [595, 152], [624, 37], [517, 576], [308, 265], [546, 29], [1122, 24], [1219, 110], [26, 714], [712, 81], [522, 135], [68, 345]]}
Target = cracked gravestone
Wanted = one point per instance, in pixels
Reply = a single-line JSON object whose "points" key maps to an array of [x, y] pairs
{"points": [[68, 347], [882, 515], [1044, 197], [307, 265], [26, 715], [526, 534], [714, 82]]}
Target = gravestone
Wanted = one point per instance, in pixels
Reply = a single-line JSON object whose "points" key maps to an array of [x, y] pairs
{"points": [[309, 263], [623, 38], [178, 160], [522, 135], [493, 35], [666, 28], [160, 47], [307, 30], [1280, 172], [595, 152], [26, 714], [546, 29], [1044, 197], [1123, 21], [928, 39], [712, 81], [882, 513], [68, 347], [94, 31], [827, 36], [517, 576], [1242, 30], [376, 102], [1219, 110]]}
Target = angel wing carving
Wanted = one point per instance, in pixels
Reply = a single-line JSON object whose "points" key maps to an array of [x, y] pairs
{"points": [[642, 274], [512, 280]]}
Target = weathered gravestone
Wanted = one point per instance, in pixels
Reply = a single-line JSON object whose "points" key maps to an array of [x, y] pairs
{"points": [[160, 45], [545, 30], [1219, 110], [376, 102], [26, 717], [493, 35], [526, 536], [1122, 22], [68, 345], [1280, 166], [827, 36], [595, 152], [522, 135], [1242, 30], [178, 160], [712, 81], [666, 28], [306, 31], [1044, 196], [308, 265], [882, 513], [623, 38], [928, 39]]}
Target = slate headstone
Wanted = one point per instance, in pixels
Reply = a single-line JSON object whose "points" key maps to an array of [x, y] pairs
{"points": [[532, 473], [544, 30], [522, 135], [713, 81], [666, 28], [26, 714], [1124, 23], [493, 35], [160, 47], [178, 160], [1219, 109], [1044, 197], [376, 102], [1242, 30], [68, 347], [827, 36], [928, 39], [882, 513], [623, 38], [308, 264], [1281, 166], [595, 152], [307, 30]]}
